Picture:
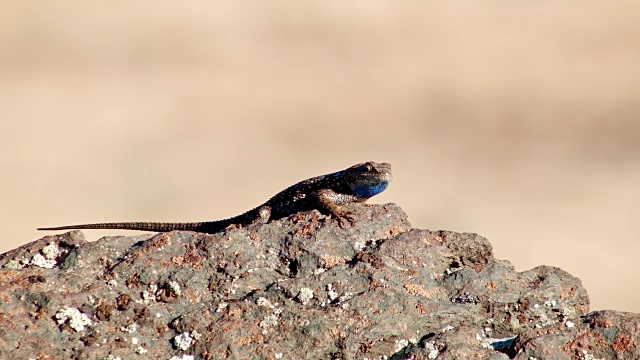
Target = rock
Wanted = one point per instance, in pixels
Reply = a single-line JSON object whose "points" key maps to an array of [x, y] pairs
{"points": [[300, 287]]}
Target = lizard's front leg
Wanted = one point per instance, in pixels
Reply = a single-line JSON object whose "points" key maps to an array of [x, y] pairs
{"points": [[331, 202]]}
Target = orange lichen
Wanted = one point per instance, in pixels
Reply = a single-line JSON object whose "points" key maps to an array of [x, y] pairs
{"points": [[330, 261], [622, 343], [568, 293], [491, 286], [418, 290]]}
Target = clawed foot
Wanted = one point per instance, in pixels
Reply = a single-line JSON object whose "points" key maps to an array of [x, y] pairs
{"points": [[345, 216], [332, 202]]}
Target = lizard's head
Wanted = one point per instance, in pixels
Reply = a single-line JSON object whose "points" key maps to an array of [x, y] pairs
{"points": [[368, 179]]}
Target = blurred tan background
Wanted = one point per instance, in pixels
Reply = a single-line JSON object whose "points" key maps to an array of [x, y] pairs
{"points": [[518, 120]]}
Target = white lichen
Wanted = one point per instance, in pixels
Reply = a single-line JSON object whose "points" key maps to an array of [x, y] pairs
{"points": [[433, 351], [346, 296], [76, 319], [148, 295], [14, 264], [588, 356], [401, 344], [48, 257], [447, 328], [359, 245], [332, 294], [221, 307], [269, 320], [305, 295], [183, 357], [131, 328], [51, 251], [175, 287], [183, 341], [140, 350], [264, 302], [41, 261]]}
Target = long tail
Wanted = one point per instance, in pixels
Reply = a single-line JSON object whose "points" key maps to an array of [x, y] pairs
{"points": [[147, 226]]}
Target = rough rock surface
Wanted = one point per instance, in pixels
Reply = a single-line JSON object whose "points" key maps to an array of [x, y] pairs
{"points": [[300, 287]]}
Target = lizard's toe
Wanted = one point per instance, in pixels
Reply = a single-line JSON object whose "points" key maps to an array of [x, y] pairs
{"points": [[346, 216]]}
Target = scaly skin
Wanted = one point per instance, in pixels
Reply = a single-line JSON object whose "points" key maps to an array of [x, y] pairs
{"points": [[327, 193]]}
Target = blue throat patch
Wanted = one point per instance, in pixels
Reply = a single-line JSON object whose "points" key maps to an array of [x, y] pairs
{"points": [[367, 191]]}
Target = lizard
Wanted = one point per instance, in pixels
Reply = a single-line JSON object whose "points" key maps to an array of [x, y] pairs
{"points": [[326, 193]]}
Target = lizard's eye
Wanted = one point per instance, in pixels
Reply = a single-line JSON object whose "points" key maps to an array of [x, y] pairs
{"points": [[368, 167]]}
